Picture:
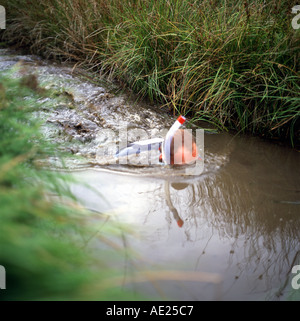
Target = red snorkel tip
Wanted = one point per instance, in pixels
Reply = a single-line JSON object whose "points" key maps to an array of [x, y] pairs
{"points": [[179, 222], [181, 119]]}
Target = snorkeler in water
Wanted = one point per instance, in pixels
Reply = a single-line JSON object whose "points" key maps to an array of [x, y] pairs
{"points": [[178, 148]]}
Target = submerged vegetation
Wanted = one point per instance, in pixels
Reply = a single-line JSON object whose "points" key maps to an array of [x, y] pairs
{"points": [[232, 63], [44, 234]]}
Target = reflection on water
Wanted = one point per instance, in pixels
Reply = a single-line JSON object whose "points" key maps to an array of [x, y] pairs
{"points": [[231, 233], [241, 222]]}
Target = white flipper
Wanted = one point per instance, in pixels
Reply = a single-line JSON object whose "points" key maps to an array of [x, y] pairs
{"points": [[140, 146]]}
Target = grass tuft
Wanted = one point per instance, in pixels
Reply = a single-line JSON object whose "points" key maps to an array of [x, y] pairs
{"points": [[232, 63]]}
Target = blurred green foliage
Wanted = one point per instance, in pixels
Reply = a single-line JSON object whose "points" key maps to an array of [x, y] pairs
{"points": [[43, 242]]}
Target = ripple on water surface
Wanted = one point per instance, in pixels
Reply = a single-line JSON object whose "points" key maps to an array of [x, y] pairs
{"points": [[229, 232]]}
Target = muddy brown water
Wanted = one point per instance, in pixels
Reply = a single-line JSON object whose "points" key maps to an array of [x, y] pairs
{"points": [[230, 233]]}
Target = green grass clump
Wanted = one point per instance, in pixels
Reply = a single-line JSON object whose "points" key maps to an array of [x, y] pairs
{"points": [[44, 243], [232, 63]]}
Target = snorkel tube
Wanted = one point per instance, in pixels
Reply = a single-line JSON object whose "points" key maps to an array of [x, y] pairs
{"points": [[166, 150], [154, 144]]}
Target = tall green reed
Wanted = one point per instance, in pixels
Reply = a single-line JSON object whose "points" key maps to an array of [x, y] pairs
{"points": [[232, 63]]}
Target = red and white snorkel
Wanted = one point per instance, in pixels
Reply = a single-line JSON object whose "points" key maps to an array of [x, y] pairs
{"points": [[155, 143], [166, 150]]}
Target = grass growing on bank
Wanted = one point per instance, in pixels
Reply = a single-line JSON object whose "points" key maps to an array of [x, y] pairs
{"points": [[44, 244], [232, 63]]}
